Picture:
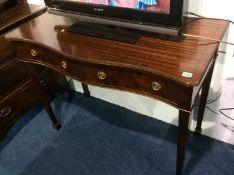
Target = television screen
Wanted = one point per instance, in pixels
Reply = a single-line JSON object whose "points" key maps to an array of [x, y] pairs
{"points": [[160, 16], [159, 6]]}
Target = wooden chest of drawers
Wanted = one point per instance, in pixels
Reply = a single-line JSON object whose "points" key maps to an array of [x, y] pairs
{"points": [[13, 105], [16, 92]]}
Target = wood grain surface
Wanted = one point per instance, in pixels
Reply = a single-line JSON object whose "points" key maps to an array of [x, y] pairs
{"points": [[16, 13], [165, 56]]}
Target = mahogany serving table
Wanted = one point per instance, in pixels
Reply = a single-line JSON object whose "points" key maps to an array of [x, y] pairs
{"points": [[172, 70]]}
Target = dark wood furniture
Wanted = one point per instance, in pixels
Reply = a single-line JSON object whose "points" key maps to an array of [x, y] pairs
{"points": [[172, 70], [17, 93]]}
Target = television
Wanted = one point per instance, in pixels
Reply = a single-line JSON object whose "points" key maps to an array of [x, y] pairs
{"points": [[157, 16]]}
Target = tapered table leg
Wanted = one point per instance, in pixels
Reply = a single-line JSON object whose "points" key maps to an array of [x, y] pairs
{"points": [[86, 89], [182, 137], [45, 102], [43, 97], [203, 99]]}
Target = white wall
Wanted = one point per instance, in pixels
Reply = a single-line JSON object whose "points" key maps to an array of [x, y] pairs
{"points": [[214, 125], [39, 2]]}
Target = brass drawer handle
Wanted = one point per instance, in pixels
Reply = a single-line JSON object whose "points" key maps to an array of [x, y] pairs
{"points": [[5, 111], [156, 86], [64, 64], [101, 75], [33, 52]]}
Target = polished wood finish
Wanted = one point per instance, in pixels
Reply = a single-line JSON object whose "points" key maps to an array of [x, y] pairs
{"points": [[47, 57], [182, 140], [17, 106], [153, 66], [167, 57], [130, 80], [203, 99], [16, 14]]}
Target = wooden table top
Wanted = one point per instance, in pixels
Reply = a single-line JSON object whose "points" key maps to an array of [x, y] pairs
{"points": [[166, 57], [17, 13]]}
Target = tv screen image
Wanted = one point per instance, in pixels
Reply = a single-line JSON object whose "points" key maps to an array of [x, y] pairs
{"points": [[160, 6], [157, 16]]}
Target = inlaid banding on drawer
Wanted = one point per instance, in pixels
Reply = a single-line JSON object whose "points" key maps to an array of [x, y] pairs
{"points": [[45, 56], [131, 80], [112, 76], [30, 52], [10, 108]]}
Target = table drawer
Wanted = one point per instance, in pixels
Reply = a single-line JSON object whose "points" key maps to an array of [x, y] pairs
{"points": [[18, 102], [100, 75], [11, 75], [131, 80], [45, 56], [155, 86]]}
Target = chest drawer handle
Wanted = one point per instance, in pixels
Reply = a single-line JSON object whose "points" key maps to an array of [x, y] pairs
{"points": [[101, 75], [64, 64], [33, 52], [156, 86], [5, 111]]}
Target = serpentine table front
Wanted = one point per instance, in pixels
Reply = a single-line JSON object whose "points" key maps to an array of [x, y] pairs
{"points": [[172, 70]]}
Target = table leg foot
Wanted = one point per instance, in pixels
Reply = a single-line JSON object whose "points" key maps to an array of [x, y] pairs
{"points": [[203, 99], [86, 89], [57, 126], [182, 140], [198, 131]]}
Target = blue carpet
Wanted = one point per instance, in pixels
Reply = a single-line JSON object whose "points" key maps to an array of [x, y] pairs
{"points": [[99, 138]]}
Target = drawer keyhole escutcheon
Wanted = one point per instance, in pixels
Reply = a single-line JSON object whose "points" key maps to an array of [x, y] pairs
{"points": [[156, 86], [64, 64], [5, 111], [33, 52], [101, 75]]}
